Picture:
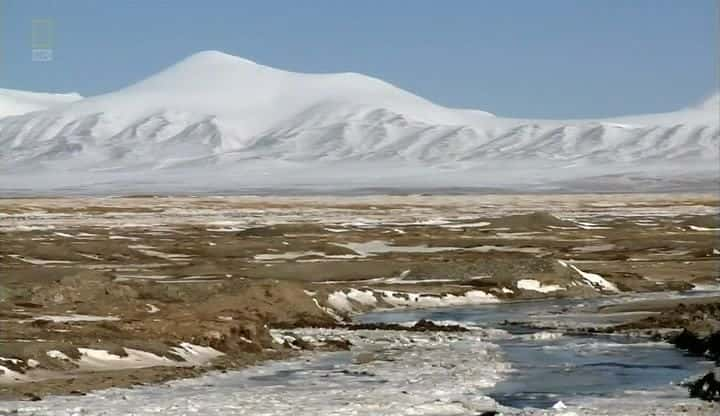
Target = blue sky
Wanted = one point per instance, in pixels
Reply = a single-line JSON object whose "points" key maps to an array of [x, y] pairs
{"points": [[525, 58]]}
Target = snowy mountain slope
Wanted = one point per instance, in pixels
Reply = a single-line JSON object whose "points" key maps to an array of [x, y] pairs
{"points": [[15, 102], [711, 104], [214, 115]]}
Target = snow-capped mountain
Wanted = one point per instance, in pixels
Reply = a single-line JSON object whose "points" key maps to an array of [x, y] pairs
{"points": [[215, 121], [14, 102]]}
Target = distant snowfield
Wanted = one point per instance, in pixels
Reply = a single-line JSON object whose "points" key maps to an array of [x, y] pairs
{"points": [[218, 123]]}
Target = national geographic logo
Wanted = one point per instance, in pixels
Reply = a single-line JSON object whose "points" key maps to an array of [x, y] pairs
{"points": [[42, 40]]}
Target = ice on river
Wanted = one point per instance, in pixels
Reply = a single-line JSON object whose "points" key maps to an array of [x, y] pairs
{"points": [[385, 373]]}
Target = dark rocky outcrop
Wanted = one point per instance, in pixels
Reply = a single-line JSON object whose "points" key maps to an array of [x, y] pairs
{"points": [[706, 387], [713, 344], [708, 346], [690, 342], [422, 325]]}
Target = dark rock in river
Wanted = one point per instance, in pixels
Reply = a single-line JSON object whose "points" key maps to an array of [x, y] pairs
{"points": [[696, 345], [713, 343], [422, 325], [687, 340], [705, 388]]}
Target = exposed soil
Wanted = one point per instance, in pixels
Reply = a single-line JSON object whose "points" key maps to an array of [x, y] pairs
{"points": [[149, 274]]}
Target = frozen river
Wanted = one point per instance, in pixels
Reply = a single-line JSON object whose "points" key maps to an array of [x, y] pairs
{"points": [[513, 369]]}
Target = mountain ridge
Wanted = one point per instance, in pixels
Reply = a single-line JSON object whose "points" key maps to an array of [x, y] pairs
{"points": [[219, 115]]}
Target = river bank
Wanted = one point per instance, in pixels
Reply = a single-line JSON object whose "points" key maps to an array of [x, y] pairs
{"points": [[485, 367]]}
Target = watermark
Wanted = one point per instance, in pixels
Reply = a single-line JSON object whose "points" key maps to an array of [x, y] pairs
{"points": [[42, 40]]}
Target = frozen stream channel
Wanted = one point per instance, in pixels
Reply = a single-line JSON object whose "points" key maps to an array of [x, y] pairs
{"points": [[515, 370], [548, 366]]}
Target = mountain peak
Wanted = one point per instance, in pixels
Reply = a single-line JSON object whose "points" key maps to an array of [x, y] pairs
{"points": [[211, 66], [213, 57], [256, 96]]}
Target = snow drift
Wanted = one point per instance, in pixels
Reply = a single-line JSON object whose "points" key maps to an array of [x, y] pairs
{"points": [[215, 122]]}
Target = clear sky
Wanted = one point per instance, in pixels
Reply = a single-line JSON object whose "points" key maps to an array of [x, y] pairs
{"points": [[525, 58]]}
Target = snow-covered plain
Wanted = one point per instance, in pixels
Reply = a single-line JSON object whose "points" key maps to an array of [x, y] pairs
{"points": [[215, 122]]}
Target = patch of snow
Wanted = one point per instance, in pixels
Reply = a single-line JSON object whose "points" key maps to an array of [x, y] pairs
{"points": [[534, 285], [95, 359], [225, 229], [339, 302], [594, 248], [123, 277], [467, 225], [74, 318], [196, 354], [39, 262], [596, 280], [489, 248], [58, 355], [423, 300], [379, 247], [707, 286], [696, 228], [363, 297], [336, 230], [149, 251], [281, 338], [291, 255], [590, 225], [9, 376], [402, 281]]}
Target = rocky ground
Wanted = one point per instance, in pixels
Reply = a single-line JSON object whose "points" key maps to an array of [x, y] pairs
{"points": [[100, 292]]}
